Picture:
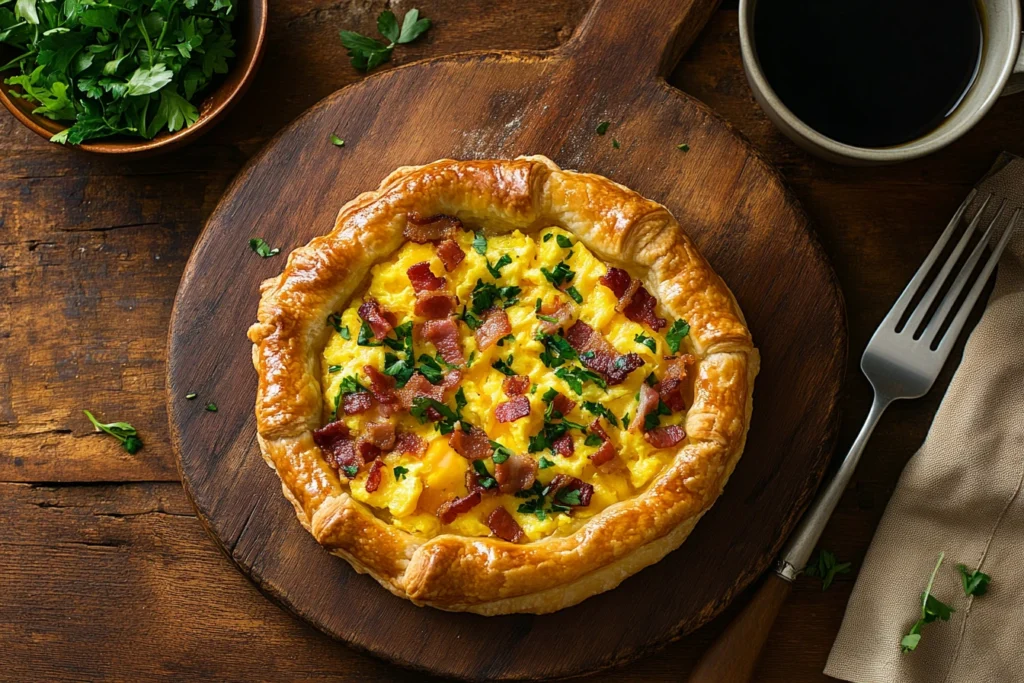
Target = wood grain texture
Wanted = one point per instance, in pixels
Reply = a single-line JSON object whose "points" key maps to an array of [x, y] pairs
{"points": [[79, 243], [504, 105]]}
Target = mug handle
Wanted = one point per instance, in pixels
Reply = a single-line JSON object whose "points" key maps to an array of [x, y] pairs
{"points": [[1015, 83]]}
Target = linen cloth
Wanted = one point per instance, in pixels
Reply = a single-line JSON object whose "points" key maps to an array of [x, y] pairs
{"points": [[960, 493]]}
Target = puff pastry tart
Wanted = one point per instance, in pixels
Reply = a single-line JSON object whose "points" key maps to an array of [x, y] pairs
{"points": [[498, 386]]}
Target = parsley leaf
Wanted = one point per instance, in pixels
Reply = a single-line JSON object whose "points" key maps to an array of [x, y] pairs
{"points": [[683, 147], [563, 241], [365, 337], [400, 472], [258, 245], [122, 431], [334, 368], [576, 376], [646, 341], [931, 609], [559, 275], [557, 350], [399, 368], [336, 141], [368, 53], [675, 335], [615, 143], [574, 294], [504, 366], [825, 567], [484, 477], [544, 463], [350, 471], [212, 407], [975, 583], [593, 440], [602, 127], [480, 243], [495, 270], [431, 369], [486, 295], [601, 411], [501, 453]]}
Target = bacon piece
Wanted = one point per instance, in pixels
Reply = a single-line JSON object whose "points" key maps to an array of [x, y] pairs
{"points": [[494, 326], [617, 280], [451, 379], [373, 478], [564, 445], [434, 305], [607, 451], [597, 354], [504, 526], [670, 388], [380, 321], [381, 386], [517, 473], [367, 451], [358, 402], [563, 404], [418, 386], [641, 310], [515, 385], [423, 279], [338, 449], [380, 434], [450, 509], [451, 254], [665, 437], [565, 482], [648, 404], [408, 443], [562, 313], [423, 229], [444, 334], [474, 445], [635, 302], [510, 411]]}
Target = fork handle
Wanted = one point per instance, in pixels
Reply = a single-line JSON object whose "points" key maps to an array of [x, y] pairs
{"points": [[733, 656]]}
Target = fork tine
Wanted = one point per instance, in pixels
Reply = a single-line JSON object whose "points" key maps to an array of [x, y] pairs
{"points": [[951, 334], [898, 308], [925, 304]]}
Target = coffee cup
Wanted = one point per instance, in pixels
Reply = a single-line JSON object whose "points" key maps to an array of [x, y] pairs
{"points": [[1000, 71]]}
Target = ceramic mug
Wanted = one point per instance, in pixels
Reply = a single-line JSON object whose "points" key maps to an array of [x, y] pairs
{"points": [[1001, 58]]}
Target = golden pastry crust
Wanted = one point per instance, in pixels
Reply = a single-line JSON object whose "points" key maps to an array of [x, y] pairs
{"points": [[489, 575]]}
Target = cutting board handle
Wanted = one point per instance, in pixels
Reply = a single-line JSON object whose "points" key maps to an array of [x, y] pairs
{"points": [[651, 35]]}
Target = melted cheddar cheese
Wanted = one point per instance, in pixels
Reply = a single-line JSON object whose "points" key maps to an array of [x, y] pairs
{"points": [[410, 498]]}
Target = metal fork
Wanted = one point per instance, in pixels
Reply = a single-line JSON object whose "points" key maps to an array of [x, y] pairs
{"points": [[902, 360]]}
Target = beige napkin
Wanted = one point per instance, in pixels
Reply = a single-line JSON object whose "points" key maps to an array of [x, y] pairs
{"points": [[962, 494]]}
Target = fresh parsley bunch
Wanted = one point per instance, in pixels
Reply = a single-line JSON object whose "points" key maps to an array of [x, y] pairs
{"points": [[116, 67]]}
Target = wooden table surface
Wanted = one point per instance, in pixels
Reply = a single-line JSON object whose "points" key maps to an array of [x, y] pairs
{"points": [[105, 571]]}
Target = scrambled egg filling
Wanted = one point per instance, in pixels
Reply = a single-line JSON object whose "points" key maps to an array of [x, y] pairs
{"points": [[412, 487]]}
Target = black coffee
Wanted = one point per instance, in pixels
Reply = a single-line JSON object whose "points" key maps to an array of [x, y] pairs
{"points": [[870, 73]]}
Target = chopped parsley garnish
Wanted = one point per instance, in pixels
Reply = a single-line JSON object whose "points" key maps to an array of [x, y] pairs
{"points": [[430, 368], [501, 453], [574, 294], [484, 477], [557, 350], [345, 334], [367, 53], [615, 143], [122, 431], [336, 141], [507, 339], [544, 463], [602, 127], [683, 147], [350, 385], [674, 337], [600, 410], [561, 274], [365, 337], [333, 368], [472, 322], [402, 340], [449, 417], [259, 245], [568, 496], [350, 471], [563, 241], [650, 380], [334, 320], [576, 376], [191, 395], [646, 341], [931, 609], [399, 368], [547, 237], [504, 366], [480, 243], [825, 567], [593, 440], [400, 472], [212, 407], [469, 361], [495, 270], [547, 318], [975, 583], [653, 419], [487, 295]]}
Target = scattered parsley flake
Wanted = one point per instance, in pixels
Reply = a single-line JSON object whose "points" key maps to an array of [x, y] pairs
{"points": [[544, 463], [646, 341], [333, 368], [480, 243], [600, 410], [683, 147], [826, 567], [563, 241], [400, 472], [674, 338], [122, 431], [259, 245], [975, 583], [593, 440], [191, 395], [365, 337], [501, 453], [495, 270], [574, 294], [504, 366], [212, 407], [602, 127], [615, 143], [350, 471], [336, 141]]}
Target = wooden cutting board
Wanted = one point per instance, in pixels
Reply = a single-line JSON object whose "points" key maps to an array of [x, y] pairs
{"points": [[482, 105]]}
